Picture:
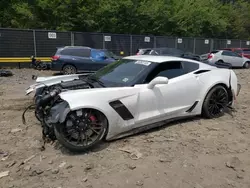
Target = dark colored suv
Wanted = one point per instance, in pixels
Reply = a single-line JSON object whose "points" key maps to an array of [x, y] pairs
{"points": [[73, 59]]}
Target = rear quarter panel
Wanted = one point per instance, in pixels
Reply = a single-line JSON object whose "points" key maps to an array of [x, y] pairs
{"points": [[208, 80]]}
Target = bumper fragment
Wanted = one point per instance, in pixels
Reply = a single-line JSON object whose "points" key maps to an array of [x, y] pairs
{"points": [[238, 89]]}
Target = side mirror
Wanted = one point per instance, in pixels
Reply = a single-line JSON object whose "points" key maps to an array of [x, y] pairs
{"points": [[157, 80]]}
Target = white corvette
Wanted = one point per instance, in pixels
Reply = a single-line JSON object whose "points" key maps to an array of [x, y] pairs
{"points": [[131, 95]]}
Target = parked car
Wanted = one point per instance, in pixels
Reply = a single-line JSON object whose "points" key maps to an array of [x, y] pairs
{"points": [[225, 56], [241, 51], [169, 52], [131, 95], [73, 59]]}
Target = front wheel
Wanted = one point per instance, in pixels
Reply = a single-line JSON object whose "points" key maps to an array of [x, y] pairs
{"points": [[215, 102], [81, 130]]}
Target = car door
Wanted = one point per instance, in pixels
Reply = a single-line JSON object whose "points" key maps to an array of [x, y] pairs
{"points": [[81, 59], [227, 57], [237, 60], [168, 100]]}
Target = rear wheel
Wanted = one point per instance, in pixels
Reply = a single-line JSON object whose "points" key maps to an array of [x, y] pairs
{"points": [[69, 69], [82, 130], [246, 65], [215, 102]]}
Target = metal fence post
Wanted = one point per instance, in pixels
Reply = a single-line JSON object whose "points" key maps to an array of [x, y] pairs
{"points": [[131, 45], [212, 45], [155, 41], [103, 41], [194, 45], [72, 38], [34, 40], [176, 39], [240, 44]]}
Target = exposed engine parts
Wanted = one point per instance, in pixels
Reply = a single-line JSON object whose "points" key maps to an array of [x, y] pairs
{"points": [[48, 96]]}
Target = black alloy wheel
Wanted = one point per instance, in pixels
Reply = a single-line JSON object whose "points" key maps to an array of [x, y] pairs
{"points": [[81, 130], [215, 102]]}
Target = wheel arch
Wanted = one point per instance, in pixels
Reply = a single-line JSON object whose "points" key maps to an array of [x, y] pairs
{"points": [[228, 88]]}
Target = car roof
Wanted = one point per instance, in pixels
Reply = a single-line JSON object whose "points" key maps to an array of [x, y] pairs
{"points": [[75, 47], [157, 58]]}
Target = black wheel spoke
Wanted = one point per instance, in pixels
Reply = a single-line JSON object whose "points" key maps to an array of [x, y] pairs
{"points": [[92, 129], [217, 102]]}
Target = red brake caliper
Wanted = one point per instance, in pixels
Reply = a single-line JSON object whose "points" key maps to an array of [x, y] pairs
{"points": [[92, 118]]}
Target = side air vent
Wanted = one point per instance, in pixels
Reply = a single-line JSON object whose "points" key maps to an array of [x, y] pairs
{"points": [[192, 107], [121, 109], [201, 71]]}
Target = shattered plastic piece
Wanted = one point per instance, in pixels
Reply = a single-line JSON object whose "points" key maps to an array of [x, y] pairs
{"points": [[134, 153], [27, 160], [4, 174], [62, 164], [15, 130]]}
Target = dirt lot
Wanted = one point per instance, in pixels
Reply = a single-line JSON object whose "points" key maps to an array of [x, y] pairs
{"points": [[195, 153]]}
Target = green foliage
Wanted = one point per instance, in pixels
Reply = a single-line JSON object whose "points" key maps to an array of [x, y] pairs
{"points": [[194, 18]]}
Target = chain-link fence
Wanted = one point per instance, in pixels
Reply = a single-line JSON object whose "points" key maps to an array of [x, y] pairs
{"points": [[43, 43]]}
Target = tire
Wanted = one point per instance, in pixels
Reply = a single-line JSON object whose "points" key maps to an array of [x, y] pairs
{"points": [[220, 61], [69, 69], [68, 135], [215, 102], [246, 65]]}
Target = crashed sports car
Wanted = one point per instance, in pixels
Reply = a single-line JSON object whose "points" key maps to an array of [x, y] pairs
{"points": [[129, 96]]}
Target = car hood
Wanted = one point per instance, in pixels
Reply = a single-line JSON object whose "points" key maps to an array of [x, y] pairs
{"points": [[52, 80]]}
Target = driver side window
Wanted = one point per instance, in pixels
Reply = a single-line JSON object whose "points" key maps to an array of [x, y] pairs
{"points": [[168, 69]]}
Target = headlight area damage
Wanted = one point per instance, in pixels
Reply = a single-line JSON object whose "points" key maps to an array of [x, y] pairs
{"points": [[76, 130], [44, 108]]}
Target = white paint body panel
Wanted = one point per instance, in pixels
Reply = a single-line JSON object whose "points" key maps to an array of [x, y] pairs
{"points": [[164, 101]]}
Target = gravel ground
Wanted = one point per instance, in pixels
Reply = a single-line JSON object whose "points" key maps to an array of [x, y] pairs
{"points": [[196, 153]]}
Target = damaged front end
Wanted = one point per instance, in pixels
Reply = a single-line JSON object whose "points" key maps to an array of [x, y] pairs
{"points": [[47, 102]]}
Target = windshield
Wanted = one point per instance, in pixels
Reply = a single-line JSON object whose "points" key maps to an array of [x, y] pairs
{"points": [[121, 73]]}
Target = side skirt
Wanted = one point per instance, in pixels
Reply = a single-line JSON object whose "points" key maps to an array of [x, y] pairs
{"points": [[147, 127]]}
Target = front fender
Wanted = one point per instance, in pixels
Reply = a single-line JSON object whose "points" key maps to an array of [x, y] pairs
{"points": [[58, 113]]}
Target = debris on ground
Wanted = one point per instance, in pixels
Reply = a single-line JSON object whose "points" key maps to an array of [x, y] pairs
{"points": [[36, 172], [62, 164], [27, 168], [212, 129], [131, 167], [4, 154], [4, 158], [88, 167], [139, 183], [5, 73], [55, 171], [134, 153], [16, 130], [11, 164], [233, 163], [27, 160], [4, 174], [85, 179], [69, 166]]}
